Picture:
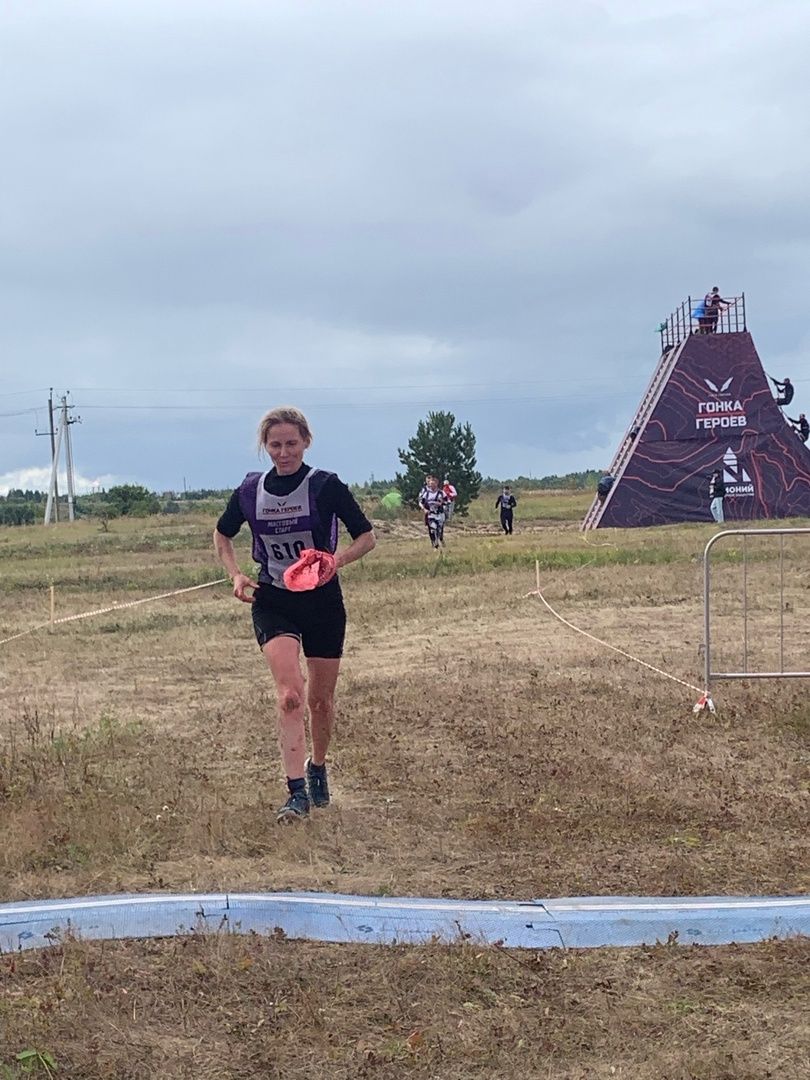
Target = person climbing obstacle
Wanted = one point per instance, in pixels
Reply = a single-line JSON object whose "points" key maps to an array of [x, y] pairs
{"points": [[801, 427], [606, 482], [785, 390]]}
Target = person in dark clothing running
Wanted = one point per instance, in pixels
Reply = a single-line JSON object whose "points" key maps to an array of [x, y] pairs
{"points": [[717, 492], [507, 503], [801, 427], [785, 389], [291, 508]]}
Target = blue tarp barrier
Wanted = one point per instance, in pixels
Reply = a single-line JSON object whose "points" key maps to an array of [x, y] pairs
{"points": [[585, 922]]}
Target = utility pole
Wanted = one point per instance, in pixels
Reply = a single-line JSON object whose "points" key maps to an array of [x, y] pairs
{"points": [[54, 469], [52, 434], [63, 432], [69, 459]]}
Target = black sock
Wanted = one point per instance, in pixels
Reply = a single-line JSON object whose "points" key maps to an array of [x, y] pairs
{"points": [[299, 784], [318, 770]]}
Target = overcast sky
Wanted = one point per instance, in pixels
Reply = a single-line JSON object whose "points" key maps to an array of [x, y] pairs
{"points": [[371, 209]]}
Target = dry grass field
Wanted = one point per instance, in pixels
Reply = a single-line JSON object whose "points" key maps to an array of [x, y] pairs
{"points": [[482, 750]]}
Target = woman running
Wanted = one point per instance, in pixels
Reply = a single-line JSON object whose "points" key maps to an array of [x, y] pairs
{"points": [[290, 508]]}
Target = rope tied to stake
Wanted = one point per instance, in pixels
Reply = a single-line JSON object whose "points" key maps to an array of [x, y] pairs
{"points": [[704, 702]]}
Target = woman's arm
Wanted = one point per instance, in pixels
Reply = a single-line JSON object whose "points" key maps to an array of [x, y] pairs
{"points": [[223, 545], [359, 547], [343, 503]]}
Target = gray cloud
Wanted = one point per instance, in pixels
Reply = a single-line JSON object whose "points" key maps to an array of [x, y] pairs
{"points": [[482, 202]]}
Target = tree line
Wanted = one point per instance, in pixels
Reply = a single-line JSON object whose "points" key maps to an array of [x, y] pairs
{"points": [[440, 446]]}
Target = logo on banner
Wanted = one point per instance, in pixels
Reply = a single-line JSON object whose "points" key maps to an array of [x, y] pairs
{"points": [[736, 479], [725, 411], [722, 389]]}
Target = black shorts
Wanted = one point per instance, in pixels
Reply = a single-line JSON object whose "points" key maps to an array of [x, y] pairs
{"points": [[316, 618]]}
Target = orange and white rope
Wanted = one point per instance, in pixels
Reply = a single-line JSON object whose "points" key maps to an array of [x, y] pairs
{"points": [[113, 607], [704, 702]]}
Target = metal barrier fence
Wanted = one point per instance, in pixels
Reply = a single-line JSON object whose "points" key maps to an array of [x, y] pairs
{"points": [[709, 674], [685, 320]]}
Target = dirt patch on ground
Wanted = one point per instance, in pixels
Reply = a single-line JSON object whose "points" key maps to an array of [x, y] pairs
{"points": [[213, 1008]]}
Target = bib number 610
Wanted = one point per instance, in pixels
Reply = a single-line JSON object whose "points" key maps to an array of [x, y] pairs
{"points": [[287, 551]]}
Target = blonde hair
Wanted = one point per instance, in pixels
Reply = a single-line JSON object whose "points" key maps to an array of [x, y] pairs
{"points": [[284, 414]]}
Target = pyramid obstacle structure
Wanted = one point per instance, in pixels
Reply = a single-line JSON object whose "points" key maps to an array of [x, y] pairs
{"points": [[708, 406]]}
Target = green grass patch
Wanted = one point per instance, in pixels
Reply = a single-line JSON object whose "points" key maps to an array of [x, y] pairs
{"points": [[536, 507]]}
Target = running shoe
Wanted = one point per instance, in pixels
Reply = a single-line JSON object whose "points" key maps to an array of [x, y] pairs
{"points": [[317, 787], [296, 808]]}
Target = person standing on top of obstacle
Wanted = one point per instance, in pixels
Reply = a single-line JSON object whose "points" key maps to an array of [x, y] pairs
{"points": [[432, 501], [507, 503], [712, 303], [450, 496], [785, 389], [290, 509], [717, 492], [801, 427]]}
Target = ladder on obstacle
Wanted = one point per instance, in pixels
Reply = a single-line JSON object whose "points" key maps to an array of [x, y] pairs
{"points": [[666, 365]]}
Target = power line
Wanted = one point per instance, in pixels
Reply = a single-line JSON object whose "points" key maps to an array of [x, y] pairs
{"points": [[18, 393], [435, 402], [22, 412], [578, 381], [334, 389]]}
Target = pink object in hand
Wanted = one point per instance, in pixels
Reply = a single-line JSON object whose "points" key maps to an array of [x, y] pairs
{"points": [[313, 568]]}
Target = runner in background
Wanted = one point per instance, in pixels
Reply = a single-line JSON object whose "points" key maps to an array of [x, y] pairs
{"points": [[432, 501], [450, 496], [507, 503], [421, 497]]}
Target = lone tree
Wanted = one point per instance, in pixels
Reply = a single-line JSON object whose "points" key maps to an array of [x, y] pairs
{"points": [[133, 500], [445, 448]]}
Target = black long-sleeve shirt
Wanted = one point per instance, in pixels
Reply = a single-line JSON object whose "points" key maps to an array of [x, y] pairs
{"points": [[786, 390], [334, 498]]}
